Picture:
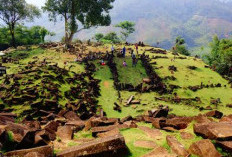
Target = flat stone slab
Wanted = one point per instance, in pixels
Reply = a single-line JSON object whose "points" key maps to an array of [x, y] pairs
{"points": [[176, 146], [45, 150], [159, 152], [225, 145], [96, 147], [101, 129], [214, 131], [204, 148], [226, 119], [34, 154], [65, 132], [186, 136], [178, 122], [215, 114], [201, 119], [153, 133], [145, 144], [109, 133]]}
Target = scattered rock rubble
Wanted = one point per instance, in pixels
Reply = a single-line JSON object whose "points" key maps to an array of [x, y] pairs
{"points": [[47, 121], [34, 136]]}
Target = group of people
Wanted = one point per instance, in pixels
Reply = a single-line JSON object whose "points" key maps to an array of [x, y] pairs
{"points": [[123, 54], [133, 56]]}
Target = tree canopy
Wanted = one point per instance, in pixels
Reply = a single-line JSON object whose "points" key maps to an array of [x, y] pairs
{"points": [[79, 14], [108, 38], [180, 46], [14, 11], [220, 57], [127, 28], [23, 36], [98, 36]]}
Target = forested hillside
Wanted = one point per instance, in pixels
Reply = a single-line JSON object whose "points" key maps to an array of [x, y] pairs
{"points": [[195, 20]]}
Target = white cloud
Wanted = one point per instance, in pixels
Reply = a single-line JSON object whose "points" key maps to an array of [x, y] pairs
{"points": [[38, 3]]}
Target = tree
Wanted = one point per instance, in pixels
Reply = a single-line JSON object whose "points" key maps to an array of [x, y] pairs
{"points": [[111, 38], [220, 57], [180, 46], [127, 28], [89, 13], [4, 38], [14, 11], [98, 36], [23, 35], [44, 32]]}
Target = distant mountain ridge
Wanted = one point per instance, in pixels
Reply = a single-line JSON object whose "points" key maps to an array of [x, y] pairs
{"points": [[162, 21]]}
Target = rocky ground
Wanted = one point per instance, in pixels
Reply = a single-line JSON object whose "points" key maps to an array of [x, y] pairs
{"points": [[53, 106]]}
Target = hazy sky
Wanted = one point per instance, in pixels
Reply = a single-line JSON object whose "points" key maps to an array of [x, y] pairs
{"points": [[36, 2]]}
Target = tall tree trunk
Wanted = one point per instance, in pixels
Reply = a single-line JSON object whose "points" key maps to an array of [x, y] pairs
{"points": [[73, 25], [70, 26], [71, 37], [12, 32], [66, 40]]}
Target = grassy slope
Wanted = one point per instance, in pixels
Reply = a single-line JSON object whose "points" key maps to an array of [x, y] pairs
{"points": [[185, 77], [109, 95], [40, 54], [129, 74]]}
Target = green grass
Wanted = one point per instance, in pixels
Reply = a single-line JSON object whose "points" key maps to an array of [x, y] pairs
{"points": [[83, 134], [132, 135], [135, 134], [25, 54], [70, 144], [108, 93], [186, 77], [130, 75], [38, 54]]}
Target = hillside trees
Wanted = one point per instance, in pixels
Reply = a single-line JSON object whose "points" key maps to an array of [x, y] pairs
{"points": [[127, 28], [108, 38], [220, 57], [180, 46], [98, 37], [87, 13], [111, 38], [43, 32], [14, 11], [23, 36]]}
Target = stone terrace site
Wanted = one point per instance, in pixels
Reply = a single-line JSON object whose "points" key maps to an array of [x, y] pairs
{"points": [[66, 104]]}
